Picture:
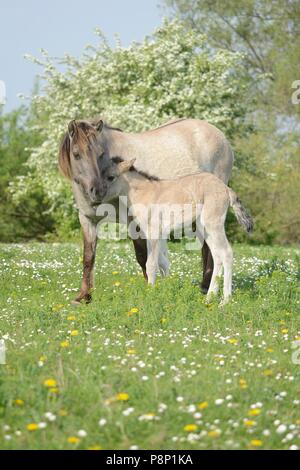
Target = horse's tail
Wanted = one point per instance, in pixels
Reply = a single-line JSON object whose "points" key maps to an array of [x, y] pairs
{"points": [[243, 217]]}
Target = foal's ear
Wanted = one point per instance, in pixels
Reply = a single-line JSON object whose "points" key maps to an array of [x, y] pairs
{"points": [[125, 166], [72, 128], [99, 125]]}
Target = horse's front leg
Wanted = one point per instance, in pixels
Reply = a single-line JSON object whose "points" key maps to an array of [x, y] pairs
{"points": [[89, 255]]}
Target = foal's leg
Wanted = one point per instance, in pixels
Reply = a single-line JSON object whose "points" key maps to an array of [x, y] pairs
{"points": [[214, 286], [152, 260], [222, 256], [163, 260], [89, 254], [227, 262], [215, 240], [208, 266]]}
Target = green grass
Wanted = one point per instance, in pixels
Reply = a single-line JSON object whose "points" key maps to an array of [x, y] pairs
{"points": [[173, 354]]}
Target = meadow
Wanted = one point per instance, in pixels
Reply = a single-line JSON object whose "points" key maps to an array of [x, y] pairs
{"points": [[143, 367]]}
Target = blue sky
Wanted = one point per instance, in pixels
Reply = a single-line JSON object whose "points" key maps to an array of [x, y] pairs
{"points": [[61, 26]]}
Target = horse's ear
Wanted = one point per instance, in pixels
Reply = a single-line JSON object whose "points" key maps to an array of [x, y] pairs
{"points": [[64, 161], [125, 166], [72, 128], [99, 125]]}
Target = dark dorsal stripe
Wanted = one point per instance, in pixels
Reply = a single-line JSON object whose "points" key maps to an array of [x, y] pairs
{"points": [[113, 128], [133, 168]]}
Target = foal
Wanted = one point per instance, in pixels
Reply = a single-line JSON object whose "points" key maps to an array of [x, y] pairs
{"points": [[202, 198]]}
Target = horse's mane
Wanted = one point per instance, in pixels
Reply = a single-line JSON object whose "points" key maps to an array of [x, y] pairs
{"points": [[85, 133]]}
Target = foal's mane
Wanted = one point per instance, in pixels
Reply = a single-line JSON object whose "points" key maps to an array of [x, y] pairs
{"points": [[85, 133], [133, 168]]}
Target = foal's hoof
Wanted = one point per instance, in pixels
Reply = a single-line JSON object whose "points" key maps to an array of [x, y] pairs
{"points": [[224, 302]]}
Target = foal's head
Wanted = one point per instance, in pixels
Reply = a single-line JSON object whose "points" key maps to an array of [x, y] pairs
{"points": [[81, 155], [110, 177]]}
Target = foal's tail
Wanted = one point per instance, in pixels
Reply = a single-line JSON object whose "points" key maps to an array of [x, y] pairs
{"points": [[243, 217]]}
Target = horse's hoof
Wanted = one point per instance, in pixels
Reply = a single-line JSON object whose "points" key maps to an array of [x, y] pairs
{"points": [[204, 289], [82, 300]]}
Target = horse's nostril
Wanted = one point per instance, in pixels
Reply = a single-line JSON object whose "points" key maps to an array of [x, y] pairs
{"points": [[94, 192]]}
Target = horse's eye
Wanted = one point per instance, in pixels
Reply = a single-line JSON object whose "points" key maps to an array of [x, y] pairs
{"points": [[111, 178], [77, 156], [76, 180]]}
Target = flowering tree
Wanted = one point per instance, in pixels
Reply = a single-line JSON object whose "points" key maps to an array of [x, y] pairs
{"points": [[170, 74]]}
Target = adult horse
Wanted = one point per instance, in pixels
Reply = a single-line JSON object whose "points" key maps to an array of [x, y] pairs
{"points": [[177, 148]]}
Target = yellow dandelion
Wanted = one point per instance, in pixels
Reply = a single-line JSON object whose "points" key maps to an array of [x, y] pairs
{"points": [[132, 311], [19, 402], [297, 338], [57, 307], [254, 412], [42, 358], [74, 333], [203, 405], [214, 433], [62, 412], [50, 383], [256, 443], [73, 440], [115, 272], [95, 447], [243, 384], [131, 351], [190, 427], [268, 372], [284, 331], [149, 415], [32, 426], [232, 341], [71, 318], [65, 344], [122, 397], [270, 350], [249, 422], [117, 284], [54, 390]]}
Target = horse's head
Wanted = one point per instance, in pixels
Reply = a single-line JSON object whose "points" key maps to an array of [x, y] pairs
{"points": [[81, 155]]}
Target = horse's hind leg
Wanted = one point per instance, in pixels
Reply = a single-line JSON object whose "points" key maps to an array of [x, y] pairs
{"points": [[208, 267], [140, 247]]}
